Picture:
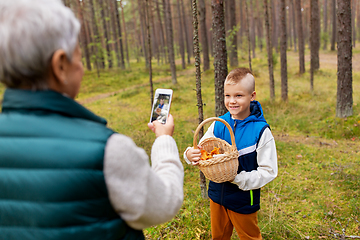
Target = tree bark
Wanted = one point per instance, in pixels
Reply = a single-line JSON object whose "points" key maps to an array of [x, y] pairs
{"points": [[84, 39], [344, 103], [353, 11], [136, 34], [300, 34], [293, 22], [259, 24], [283, 47], [325, 31], [162, 38], [252, 27], [142, 11], [315, 33], [198, 88], [181, 37], [233, 37], [358, 20], [125, 34], [220, 55], [333, 36], [314, 40], [187, 38], [269, 51], [274, 22], [106, 38], [113, 27], [169, 40], [248, 33], [98, 50], [149, 53], [203, 33], [118, 24]]}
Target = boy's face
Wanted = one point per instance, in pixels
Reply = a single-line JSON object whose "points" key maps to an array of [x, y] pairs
{"points": [[237, 98]]}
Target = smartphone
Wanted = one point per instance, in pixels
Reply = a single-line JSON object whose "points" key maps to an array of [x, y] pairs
{"points": [[161, 106]]}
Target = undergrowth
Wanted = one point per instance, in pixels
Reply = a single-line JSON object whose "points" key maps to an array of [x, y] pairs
{"points": [[316, 193]]}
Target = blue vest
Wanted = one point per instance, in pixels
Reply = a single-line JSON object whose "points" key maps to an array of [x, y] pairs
{"points": [[52, 184], [247, 135]]}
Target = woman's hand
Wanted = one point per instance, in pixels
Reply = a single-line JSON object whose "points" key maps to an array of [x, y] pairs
{"points": [[163, 129]]}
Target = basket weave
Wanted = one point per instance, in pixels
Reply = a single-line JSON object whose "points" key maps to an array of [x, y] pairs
{"points": [[223, 168]]}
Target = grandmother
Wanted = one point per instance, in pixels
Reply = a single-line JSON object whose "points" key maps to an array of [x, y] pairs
{"points": [[63, 173]]}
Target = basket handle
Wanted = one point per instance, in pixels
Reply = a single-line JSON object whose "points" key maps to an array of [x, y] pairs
{"points": [[233, 144]]}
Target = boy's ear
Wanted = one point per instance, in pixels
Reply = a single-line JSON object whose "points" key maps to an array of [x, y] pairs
{"points": [[253, 96]]}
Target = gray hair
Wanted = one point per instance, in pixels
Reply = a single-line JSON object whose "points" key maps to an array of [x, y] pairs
{"points": [[30, 32]]}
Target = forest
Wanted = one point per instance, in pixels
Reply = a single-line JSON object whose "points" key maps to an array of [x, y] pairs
{"points": [[304, 56]]}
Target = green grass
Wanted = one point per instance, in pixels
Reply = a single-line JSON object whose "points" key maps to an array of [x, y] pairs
{"points": [[317, 188]]}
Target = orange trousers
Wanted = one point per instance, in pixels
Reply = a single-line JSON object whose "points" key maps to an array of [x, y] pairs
{"points": [[224, 220]]}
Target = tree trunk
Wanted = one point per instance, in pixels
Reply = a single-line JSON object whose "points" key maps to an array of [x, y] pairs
{"points": [[259, 25], [248, 33], [113, 27], [353, 11], [187, 39], [315, 33], [333, 36], [288, 31], [283, 47], [274, 24], [136, 34], [269, 51], [169, 39], [314, 40], [242, 27], [149, 52], [98, 49], [325, 31], [181, 37], [84, 39], [155, 45], [293, 22], [142, 13], [203, 33], [125, 34], [358, 20], [198, 88], [118, 24], [233, 35], [252, 27], [300, 34], [344, 103], [106, 38], [162, 38], [220, 55]]}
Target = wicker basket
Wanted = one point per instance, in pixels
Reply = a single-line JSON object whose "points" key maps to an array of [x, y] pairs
{"points": [[223, 168]]}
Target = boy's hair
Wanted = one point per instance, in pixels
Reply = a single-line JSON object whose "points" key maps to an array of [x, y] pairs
{"points": [[238, 74]]}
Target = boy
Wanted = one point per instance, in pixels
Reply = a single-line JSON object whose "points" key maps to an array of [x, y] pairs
{"points": [[235, 203]]}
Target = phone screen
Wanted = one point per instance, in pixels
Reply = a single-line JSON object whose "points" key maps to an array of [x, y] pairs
{"points": [[161, 106]]}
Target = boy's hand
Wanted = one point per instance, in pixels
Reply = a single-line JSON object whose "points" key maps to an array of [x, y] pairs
{"points": [[163, 129], [194, 155]]}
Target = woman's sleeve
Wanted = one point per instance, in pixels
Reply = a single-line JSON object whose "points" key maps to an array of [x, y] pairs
{"points": [[141, 194], [267, 165]]}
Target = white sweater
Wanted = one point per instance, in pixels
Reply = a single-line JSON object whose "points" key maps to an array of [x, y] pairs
{"points": [[141, 194], [266, 158]]}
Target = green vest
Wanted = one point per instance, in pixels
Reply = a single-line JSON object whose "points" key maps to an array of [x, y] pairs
{"points": [[52, 184]]}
